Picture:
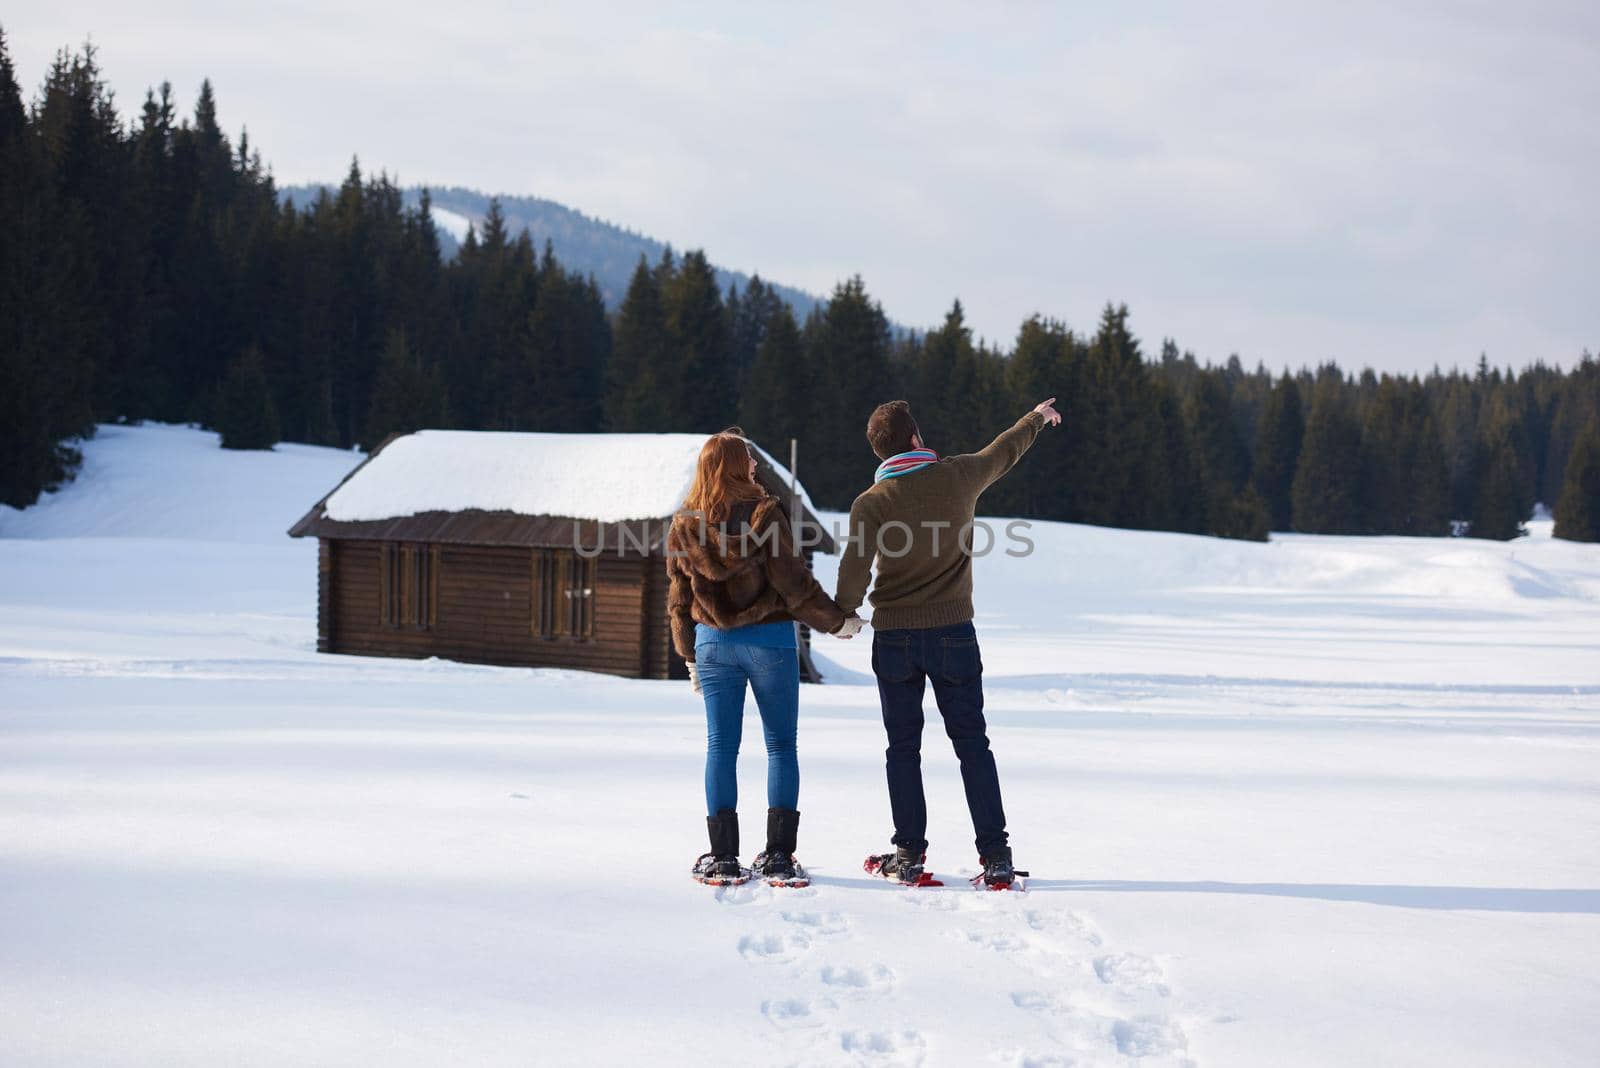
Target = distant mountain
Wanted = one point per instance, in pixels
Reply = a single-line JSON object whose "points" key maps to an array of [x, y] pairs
{"points": [[589, 246]]}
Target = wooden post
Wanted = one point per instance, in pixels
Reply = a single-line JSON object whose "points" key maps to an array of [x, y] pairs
{"points": [[808, 667], [794, 477]]}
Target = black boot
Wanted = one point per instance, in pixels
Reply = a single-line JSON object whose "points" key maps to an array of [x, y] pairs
{"points": [[998, 871], [904, 865], [776, 864], [720, 867]]}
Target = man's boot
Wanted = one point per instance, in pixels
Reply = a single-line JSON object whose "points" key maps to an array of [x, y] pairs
{"points": [[904, 865], [998, 871]]}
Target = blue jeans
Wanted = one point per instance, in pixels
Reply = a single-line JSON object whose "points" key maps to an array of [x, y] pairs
{"points": [[764, 657], [903, 660]]}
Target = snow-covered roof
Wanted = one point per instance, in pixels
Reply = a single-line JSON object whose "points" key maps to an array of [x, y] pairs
{"points": [[610, 478]]}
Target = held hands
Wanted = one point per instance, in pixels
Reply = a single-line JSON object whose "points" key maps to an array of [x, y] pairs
{"points": [[1047, 409], [849, 628], [694, 677]]}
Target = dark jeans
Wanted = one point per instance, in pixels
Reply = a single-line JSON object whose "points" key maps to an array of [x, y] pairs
{"points": [[903, 660]]}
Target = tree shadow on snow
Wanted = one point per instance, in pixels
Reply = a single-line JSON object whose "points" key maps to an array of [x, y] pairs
{"points": [[1480, 898]]}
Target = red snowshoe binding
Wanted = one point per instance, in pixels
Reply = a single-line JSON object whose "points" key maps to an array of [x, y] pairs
{"points": [[902, 866]]}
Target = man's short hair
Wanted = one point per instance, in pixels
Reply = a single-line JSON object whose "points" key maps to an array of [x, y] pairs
{"points": [[890, 428]]}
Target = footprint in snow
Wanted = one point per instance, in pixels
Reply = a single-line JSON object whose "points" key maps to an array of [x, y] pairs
{"points": [[999, 941], [1023, 1059], [1038, 1001], [932, 900], [774, 949], [1148, 1036], [1130, 971], [1141, 1036], [736, 895], [1065, 922], [789, 1014], [822, 923], [877, 979], [883, 1047]]}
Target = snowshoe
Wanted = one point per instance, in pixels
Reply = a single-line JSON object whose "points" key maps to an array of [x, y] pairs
{"points": [[780, 869], [776, 863], [998, 873], [902, 866], [713, 870], [720, 866]]}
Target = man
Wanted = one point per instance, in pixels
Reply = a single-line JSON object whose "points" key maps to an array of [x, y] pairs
{"points": [[916, 520]]}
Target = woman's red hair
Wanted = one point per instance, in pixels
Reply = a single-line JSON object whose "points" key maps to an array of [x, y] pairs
{"points": [[722, 476]]}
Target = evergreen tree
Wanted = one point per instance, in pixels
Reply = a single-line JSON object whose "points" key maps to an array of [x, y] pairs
{"points": [[48, 292], [409, 395], [246, 416], [748, 315], [1499, 511], [1578, 508], [775, 406], [1277, 450], [947, 386], [701, 394], [1231, 511], [1172, 490], [1122, 433], [1326, 492], [1404, 483], [1504, 492], [1046, 361], [1457, 408], [847, 351], [499, 287], [1575, 406], [640, 358], [567, 334]]}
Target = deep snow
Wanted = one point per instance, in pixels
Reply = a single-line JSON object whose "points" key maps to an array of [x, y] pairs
{"points": [[1323, 801], [609, 477]]}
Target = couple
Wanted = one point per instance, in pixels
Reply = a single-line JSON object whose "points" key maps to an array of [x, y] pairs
{"points": [[737, 582]]}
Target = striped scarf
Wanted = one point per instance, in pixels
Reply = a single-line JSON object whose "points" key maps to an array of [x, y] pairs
{"points": [[903, 463]]}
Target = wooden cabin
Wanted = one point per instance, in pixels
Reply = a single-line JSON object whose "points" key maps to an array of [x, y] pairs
{"points": [[520, 549]]}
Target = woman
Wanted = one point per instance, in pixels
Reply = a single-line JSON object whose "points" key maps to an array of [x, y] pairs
{"points": [[737, 583]]}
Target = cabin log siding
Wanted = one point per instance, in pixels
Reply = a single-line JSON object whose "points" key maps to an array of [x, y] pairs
{"points": [[661, 660], [325, 585], [482, 610]]}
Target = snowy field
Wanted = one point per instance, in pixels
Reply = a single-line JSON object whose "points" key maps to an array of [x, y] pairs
{"points": [[1323, 801]]}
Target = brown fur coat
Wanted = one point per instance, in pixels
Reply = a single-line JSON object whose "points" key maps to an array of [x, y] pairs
{"points": [[746, 571]]}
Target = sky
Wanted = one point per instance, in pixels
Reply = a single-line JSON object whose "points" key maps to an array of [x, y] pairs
{"points": [[1388, 185]]}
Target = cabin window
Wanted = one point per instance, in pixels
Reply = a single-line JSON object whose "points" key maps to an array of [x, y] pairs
{"points": [[408, 596], [563, 594]]}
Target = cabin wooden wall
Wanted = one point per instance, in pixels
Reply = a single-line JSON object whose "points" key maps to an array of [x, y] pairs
{"points": [[324, 595], [662, 659], [485, 611]]}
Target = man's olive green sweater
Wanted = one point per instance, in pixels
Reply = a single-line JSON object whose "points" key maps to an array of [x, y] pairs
{"points": [[912, 526]]}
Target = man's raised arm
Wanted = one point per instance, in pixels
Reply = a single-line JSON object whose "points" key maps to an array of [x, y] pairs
{"points": [[1002, 454]]}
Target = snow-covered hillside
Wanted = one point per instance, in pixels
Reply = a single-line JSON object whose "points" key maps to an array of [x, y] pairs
{"points": [[1321, 801]]}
